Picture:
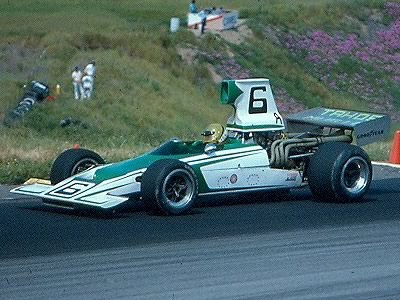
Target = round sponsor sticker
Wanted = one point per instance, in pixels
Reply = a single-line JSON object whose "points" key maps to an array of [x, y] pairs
{"points": [[233, 178]]}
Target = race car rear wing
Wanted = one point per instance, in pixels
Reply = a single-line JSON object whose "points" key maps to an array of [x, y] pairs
{"points": [[366, 127]]}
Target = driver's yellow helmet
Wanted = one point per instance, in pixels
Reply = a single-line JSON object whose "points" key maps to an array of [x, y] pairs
{"points": [[214, 133]]}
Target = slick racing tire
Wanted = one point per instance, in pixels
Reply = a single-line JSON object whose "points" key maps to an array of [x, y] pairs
{"points": [[169, 187], [73, 161], [339, 172]]}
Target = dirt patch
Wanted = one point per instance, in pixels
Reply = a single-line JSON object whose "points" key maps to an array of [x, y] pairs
{"points": [[188, 55], [214, 75], [236, 36]]}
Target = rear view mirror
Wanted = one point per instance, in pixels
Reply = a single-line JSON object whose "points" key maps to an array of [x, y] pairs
{"points": [[209, 148]]}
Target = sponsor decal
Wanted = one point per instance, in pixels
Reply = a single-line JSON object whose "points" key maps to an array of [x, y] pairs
{"points": [[370, 134], [223, 182], [253, 179], [277, 119], [233, 178], [292, 176], [358, 116]]}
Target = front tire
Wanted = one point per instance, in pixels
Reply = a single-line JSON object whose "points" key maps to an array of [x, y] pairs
{"points": [[169, 187], [339, 172], [73, 161]]}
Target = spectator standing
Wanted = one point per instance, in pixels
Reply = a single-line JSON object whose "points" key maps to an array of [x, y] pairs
{"points": [[87, 87], [88, 80], [90, 69], [203, 15], [77, 82], [193, 7]]}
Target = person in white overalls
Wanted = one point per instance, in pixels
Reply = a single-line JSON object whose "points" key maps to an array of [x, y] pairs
{"points": [[88, 80], [77, 82]]}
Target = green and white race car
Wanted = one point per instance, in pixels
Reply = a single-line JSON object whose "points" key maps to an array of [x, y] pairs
{"points": [[256, 151]]}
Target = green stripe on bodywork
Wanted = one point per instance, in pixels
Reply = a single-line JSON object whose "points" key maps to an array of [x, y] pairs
{"points": [[236, 144], [229, 92], [212, 159], [127, 166], [202, 185]]}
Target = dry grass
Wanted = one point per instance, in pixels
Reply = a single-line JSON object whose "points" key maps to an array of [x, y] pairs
{"points": [[379, 151]]}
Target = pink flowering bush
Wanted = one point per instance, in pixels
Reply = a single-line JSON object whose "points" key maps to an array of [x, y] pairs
{"points": [[227, 67], [363, 67], [393, 9]]}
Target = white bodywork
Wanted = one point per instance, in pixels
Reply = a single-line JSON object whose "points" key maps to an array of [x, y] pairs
{"points": [[243, 169], [76, 191], [255, 108], [224, 171]]}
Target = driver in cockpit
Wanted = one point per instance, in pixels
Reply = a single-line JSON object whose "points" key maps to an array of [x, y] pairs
{"points": [[215, 134]]}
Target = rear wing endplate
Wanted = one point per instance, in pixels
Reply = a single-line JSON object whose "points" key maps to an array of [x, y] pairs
{"points": [[366, 127]]}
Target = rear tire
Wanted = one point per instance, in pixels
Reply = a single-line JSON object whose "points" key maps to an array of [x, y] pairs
{"points": [[339, 172], [169, 187], [73, 161]]}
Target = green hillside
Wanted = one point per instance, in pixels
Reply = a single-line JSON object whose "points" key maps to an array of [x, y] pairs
{"points": [[152, 85]]}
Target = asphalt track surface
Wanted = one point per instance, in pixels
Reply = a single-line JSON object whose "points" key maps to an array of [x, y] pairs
{"points": [[238, 248]]}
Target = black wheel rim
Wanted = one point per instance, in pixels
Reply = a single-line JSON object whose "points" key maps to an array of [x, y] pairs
{"points": [[83, 165], [178, 188]]}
